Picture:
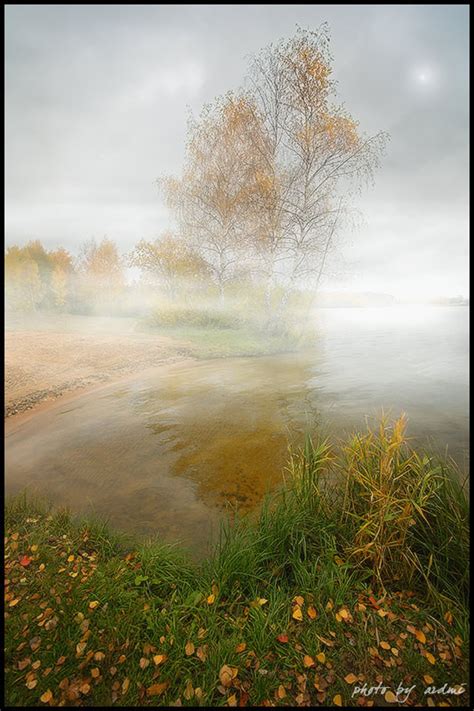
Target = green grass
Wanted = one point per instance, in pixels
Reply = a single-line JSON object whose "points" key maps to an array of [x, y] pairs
{"points": [[209, 342], [309, 542]]}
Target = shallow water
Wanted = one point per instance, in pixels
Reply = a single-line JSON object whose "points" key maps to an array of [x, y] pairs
{"points": [[166, 452]]}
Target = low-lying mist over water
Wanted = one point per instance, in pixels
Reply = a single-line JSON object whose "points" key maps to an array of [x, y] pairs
{"points": [[168, 450]]}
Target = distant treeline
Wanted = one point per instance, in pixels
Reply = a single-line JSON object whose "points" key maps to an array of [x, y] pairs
{"points": [[95, 280]]}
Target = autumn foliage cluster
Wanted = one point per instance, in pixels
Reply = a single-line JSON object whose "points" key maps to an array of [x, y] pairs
{"points": [[266, 185]]}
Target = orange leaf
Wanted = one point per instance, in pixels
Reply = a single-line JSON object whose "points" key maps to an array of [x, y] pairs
{"points": [[312, 612], [189, 648], [321, 657], [308, 661], [337, 700], [283, 638], [157, 689], [241, 647], [159, 658], [46, 697], [390, 697], [430, 658], [225, 675], [350, 678]]}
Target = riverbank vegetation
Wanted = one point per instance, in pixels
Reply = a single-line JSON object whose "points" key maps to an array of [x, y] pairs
{"points": [[352, 576]]}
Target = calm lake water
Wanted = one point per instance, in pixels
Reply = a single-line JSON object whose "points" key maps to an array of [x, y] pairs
{"points": [[163, 454]]}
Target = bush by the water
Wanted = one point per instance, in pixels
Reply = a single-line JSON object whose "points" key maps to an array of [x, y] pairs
{"points": [[201, 318]]}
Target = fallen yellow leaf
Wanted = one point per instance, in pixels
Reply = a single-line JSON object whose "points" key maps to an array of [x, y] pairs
{"points": [[308, 661], [189, 691], [232, 700], [189, 648], [297, 614], [80, 647], [157, 689], [337, 700], [210, 599], [159, 658], [241, 647], [430, 658], [428, 679], [94, 604], [299, 600], [281, 692], [390, 697], [312, 612], [46, 697], [420, 636], [225, 675], [385, 645], [350, 678], [321, 657]]}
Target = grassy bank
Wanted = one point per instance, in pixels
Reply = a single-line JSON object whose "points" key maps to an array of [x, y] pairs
{"points": [[353, 574], [238, 329]]}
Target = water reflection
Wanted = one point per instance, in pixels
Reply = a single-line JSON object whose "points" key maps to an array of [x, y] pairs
{"points": [[167, 452]]}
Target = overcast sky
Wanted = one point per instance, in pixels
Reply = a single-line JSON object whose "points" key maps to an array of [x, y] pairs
{"points": [[96, 106]]}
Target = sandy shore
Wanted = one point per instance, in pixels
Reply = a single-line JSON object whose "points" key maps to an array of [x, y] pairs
{"points": [[52, 357]]}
